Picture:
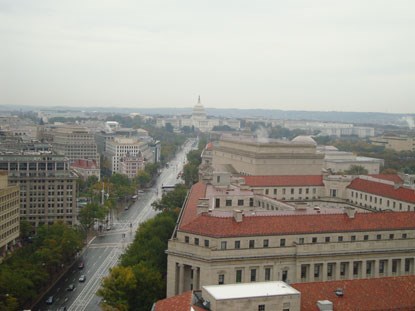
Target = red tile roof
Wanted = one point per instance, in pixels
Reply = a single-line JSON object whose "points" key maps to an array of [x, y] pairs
{"points": [[292, 180], [391, 177], [384, 190], [208, 225], [390, 293], [190, 210], [209, 146], [85, 164], [181, 302]]}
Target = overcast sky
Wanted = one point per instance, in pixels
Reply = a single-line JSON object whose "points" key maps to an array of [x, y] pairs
{"points": [[354, 55]]}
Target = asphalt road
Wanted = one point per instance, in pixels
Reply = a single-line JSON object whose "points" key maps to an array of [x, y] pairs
{"points": [[104, 250]]}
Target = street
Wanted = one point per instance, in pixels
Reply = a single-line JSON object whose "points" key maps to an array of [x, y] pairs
{"points": [[104, 250]]}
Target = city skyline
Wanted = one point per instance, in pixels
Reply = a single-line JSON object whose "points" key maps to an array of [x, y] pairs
{"points": [[326, 56]]}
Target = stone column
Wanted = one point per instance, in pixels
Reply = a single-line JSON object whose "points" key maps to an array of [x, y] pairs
{"points": [[195, 278], [376, 268], [364, 267], [336, 271], [350, 271], [181, 278], [389, 267], [298, 273], [402, 267], [324, 271]]}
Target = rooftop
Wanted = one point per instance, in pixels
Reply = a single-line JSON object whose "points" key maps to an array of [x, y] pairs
{"points": [[250, 290], [388, 293], [288, 180]]}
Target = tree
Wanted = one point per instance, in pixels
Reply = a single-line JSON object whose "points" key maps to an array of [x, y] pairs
{"points": [[119, 288], [171, 200], [356, 170], [90, 212], [169, 127], [142, 178]]}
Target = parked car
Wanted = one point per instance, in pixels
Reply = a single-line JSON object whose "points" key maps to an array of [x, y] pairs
{"points": [[82, 278], [70, 288], [81, 265], [50, 300]]}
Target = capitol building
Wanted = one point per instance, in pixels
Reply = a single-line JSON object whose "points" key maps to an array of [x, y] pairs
{"points": [[198, 120]]}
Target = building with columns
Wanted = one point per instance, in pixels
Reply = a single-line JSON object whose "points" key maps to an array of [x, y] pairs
{"points": [[246, 230]]}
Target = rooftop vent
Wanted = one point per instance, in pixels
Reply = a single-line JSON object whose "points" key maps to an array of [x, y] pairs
{"points": [[325, 305], [339, 292]]}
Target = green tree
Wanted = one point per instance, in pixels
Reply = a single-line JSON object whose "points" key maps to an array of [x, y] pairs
{"points": [[356, 170], [142, 179], [171, 200], [90, 212], [119, 288]]}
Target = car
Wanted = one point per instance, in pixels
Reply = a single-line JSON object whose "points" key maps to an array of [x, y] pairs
{"points": [[62, 308], [50, 300], [71, 287], [108, 228], [140, 191], [81, 265], [126, 208], [82, 278]]}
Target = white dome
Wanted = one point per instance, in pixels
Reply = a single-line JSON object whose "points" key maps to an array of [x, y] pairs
{"points": [[304, 140]]}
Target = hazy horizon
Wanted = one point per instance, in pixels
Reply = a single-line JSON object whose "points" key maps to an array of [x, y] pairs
{"points": [[349, 56]]}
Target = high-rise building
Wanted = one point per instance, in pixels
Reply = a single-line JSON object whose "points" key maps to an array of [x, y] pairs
{"points": [[75, 143], [9, 214], [47, 187]]}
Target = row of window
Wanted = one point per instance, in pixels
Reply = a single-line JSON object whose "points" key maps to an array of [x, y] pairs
{"points": [[283, 242], [292, 191]]}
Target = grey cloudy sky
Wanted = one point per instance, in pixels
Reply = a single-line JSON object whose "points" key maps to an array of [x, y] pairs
{"points": [[355, 55]]}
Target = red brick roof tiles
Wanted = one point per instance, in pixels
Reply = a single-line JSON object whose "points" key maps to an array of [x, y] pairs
{"points": [[292, 180], [190, 210], [384, 190], [181, 302], [389, 293], [298, 224], [391, 177]]}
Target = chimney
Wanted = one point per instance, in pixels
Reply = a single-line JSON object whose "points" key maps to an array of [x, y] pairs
{"points": [[325, 305], [350, 211], [237, 215]]}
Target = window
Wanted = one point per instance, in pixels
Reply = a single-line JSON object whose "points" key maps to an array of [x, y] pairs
{"points": [[251, 243], [330, 269], [353, 238], [238, 277], [292, 191], [391, 236], [284, 275], [301, 241], [407, 264], [237, 244], [217, 203], [314, 240], [223, 245], [266, 243], [253, 275], [303, 271], [366, 237], [340, 239], [343, 268], [186, 239], [369, 267], [378, 237], [261, 307], [196, 241], [404, 235], [266, 191], [267, 274], [317, 270], [275, 191], [228, 202], [206, 243], [382, 266], [394, 265], [240, 202], [283, 190], [282, 242], [251, 202], [221, 279], [300, 191], [355, 268], [327, 239]]}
